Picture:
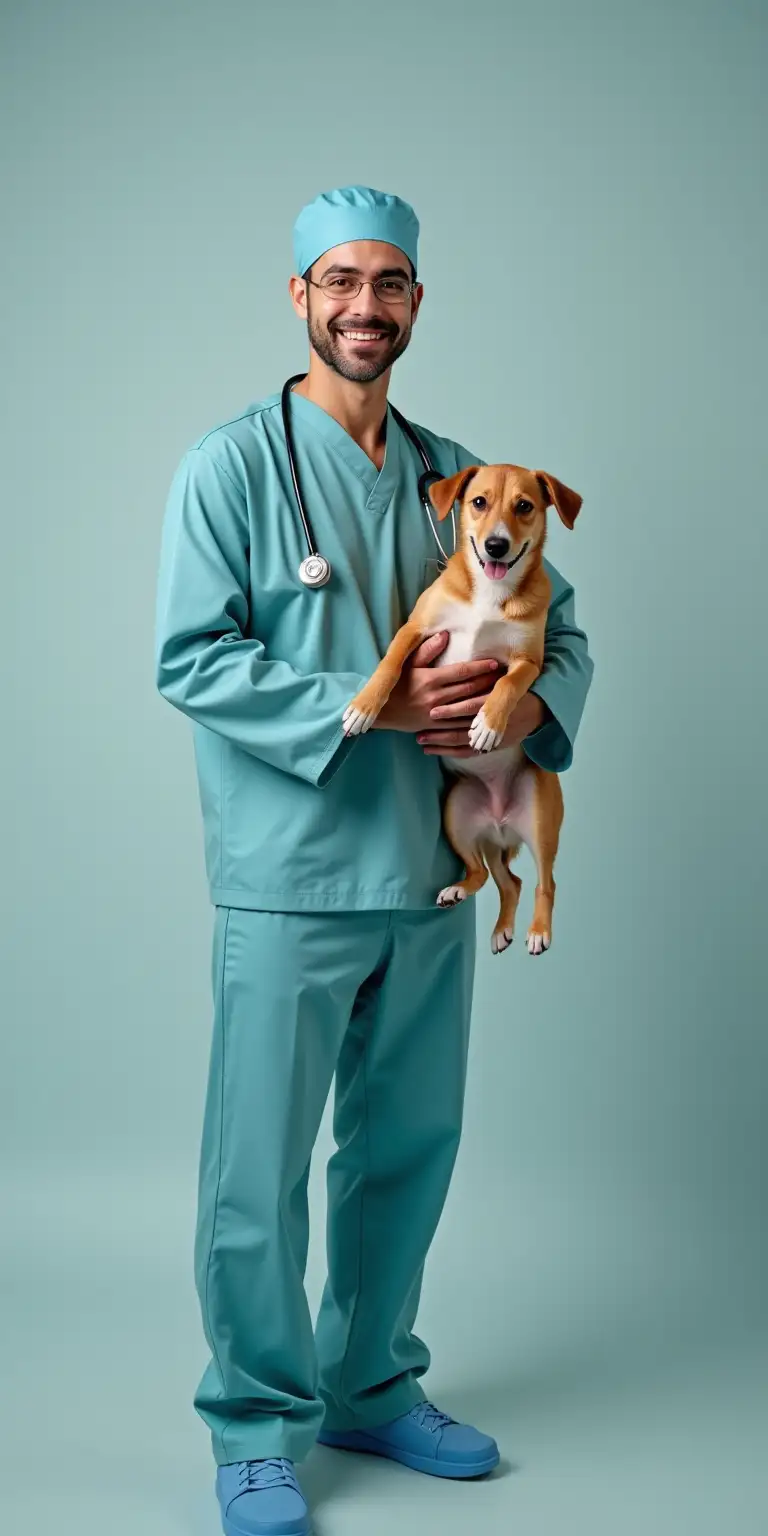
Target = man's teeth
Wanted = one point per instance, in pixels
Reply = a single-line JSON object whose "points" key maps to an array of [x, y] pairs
{"points": [[365, 335]]}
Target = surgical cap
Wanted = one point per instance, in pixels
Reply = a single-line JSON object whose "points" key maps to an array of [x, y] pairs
{"points": [[353, 213]]}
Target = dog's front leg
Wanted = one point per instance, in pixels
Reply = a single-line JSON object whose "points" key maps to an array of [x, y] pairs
{"points": [[490, 722], [361, 712]]}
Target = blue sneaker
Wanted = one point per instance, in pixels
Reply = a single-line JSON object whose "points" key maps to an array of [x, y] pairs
{"points": [[425, 1439], [261, 1498]]}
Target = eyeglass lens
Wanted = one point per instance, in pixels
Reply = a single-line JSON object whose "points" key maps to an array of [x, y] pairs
{"points": [[391, 289]]}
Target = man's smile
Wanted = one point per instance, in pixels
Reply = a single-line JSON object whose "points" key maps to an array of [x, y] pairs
{"points": [[363, 338]]}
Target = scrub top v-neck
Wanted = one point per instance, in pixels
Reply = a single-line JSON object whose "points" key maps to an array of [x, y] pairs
{"points": [[295, 815], [378, 484]]}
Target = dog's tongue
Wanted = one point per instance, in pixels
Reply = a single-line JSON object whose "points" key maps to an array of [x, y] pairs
{"points": [[495, 569]]}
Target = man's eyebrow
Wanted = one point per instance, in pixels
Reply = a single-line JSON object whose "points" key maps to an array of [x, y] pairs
{"points": [[382, 272]]}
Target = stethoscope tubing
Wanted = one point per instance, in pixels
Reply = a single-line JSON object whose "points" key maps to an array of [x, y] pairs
{"points": [[426, 478]]}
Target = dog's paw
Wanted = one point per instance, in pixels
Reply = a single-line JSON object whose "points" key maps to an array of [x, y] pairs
{"points": [[450, 895], [538, 941], [355, 721], [482, 736], [501, 938]]}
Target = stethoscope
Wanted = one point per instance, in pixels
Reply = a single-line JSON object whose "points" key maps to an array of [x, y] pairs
{"points": [[315, 570]]}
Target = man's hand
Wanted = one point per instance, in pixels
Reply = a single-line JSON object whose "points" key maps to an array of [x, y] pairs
{"points": [[452, 739], [463, 685]]}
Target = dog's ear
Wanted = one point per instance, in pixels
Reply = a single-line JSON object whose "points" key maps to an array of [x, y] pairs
{"points": [[443, 493], [565, 501]]}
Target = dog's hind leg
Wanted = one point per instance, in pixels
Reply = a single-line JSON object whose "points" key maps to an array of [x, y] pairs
{"points": [[463, 838], [509, 887], [541, 831]]}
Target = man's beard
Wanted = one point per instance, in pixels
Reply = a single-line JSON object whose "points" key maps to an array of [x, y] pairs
{"points": [[325, 341]]}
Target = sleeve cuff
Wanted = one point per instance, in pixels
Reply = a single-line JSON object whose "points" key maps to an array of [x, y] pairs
{"points": [[337, 748], [550, 746], [336, 752]]}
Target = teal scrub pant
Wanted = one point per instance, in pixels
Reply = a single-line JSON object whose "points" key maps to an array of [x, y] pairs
{"points": [[382, 999]]}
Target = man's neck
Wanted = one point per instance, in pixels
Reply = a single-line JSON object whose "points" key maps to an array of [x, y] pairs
{"points": [[359, 408]]}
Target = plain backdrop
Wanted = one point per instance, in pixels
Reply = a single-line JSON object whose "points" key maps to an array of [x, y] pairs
{"points": [[589, 177]]}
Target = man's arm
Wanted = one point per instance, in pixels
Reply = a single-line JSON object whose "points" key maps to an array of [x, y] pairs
{"points": [[562, 684], [205, 666]]}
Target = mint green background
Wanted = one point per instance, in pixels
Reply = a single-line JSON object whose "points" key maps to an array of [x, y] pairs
{"points": [[590, 182]]}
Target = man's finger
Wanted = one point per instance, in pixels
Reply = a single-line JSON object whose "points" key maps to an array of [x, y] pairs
{"points": [[461, 671], [429, 649], [451, 738], [466, 694], [463, 709], [472, 688], [449, 752]]}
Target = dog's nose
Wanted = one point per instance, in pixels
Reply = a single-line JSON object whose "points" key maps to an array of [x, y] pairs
{"points": [[496, 548]]}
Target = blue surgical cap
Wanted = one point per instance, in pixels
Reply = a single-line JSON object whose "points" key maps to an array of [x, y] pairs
{"points": [[353, 213]]}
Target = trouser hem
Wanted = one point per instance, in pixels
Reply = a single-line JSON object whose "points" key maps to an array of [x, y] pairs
{"points": [[297, 1446], [259, 1447], [389, 1406]]}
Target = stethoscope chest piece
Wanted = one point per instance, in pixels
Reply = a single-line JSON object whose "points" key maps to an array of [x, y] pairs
{"points": [[314, 571]]}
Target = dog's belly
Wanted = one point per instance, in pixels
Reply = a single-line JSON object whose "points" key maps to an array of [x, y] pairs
{"points": [[499, 809], [474, 634]]}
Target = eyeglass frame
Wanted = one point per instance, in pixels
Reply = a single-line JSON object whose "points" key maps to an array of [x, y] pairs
{"points": [[363, 283]]}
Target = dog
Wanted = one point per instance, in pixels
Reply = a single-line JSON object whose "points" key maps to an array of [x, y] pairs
{"points": [[492, 597]]}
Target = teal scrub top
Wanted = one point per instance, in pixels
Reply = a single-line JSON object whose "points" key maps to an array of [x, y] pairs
{"points": [[296, 817]]}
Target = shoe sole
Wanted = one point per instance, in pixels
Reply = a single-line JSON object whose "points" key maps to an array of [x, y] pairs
{"points": [[371, 1447], [266, 1530], [271, 1528]]}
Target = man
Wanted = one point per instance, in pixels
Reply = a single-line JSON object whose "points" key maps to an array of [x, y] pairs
{"points": [[324, 856]]}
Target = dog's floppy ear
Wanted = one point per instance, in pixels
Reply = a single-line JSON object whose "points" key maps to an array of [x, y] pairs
{"points": [[566, 501], [443, 493]]}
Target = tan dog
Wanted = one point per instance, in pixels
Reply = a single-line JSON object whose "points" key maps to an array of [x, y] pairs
{"points": [[493, 598]]}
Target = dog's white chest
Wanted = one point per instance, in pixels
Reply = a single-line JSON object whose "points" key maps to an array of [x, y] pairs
{"points": [[478, 628]]}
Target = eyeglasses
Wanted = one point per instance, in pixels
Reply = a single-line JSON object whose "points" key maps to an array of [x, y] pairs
{"points": [[392, 290]]}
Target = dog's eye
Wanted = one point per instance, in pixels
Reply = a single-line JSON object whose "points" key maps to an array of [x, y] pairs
{"points": [[479, 502], [525, 506]]}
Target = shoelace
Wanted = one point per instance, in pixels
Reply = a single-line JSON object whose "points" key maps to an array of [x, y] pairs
{"points": [[429, 1417], [272, 1472]]}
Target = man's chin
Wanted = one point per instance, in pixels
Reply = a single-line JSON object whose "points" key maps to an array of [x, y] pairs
{"points": [[341, 357], [362, 369], [361, 373]]}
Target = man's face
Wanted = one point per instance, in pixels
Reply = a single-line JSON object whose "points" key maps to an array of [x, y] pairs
{"points": [[332, 318]]}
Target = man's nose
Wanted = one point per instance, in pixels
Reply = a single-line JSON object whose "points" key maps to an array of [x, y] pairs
{"points": [[366, 308], [366, 302]]}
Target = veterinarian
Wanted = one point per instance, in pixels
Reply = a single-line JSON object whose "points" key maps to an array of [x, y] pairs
{"points": [[324, 855]]}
